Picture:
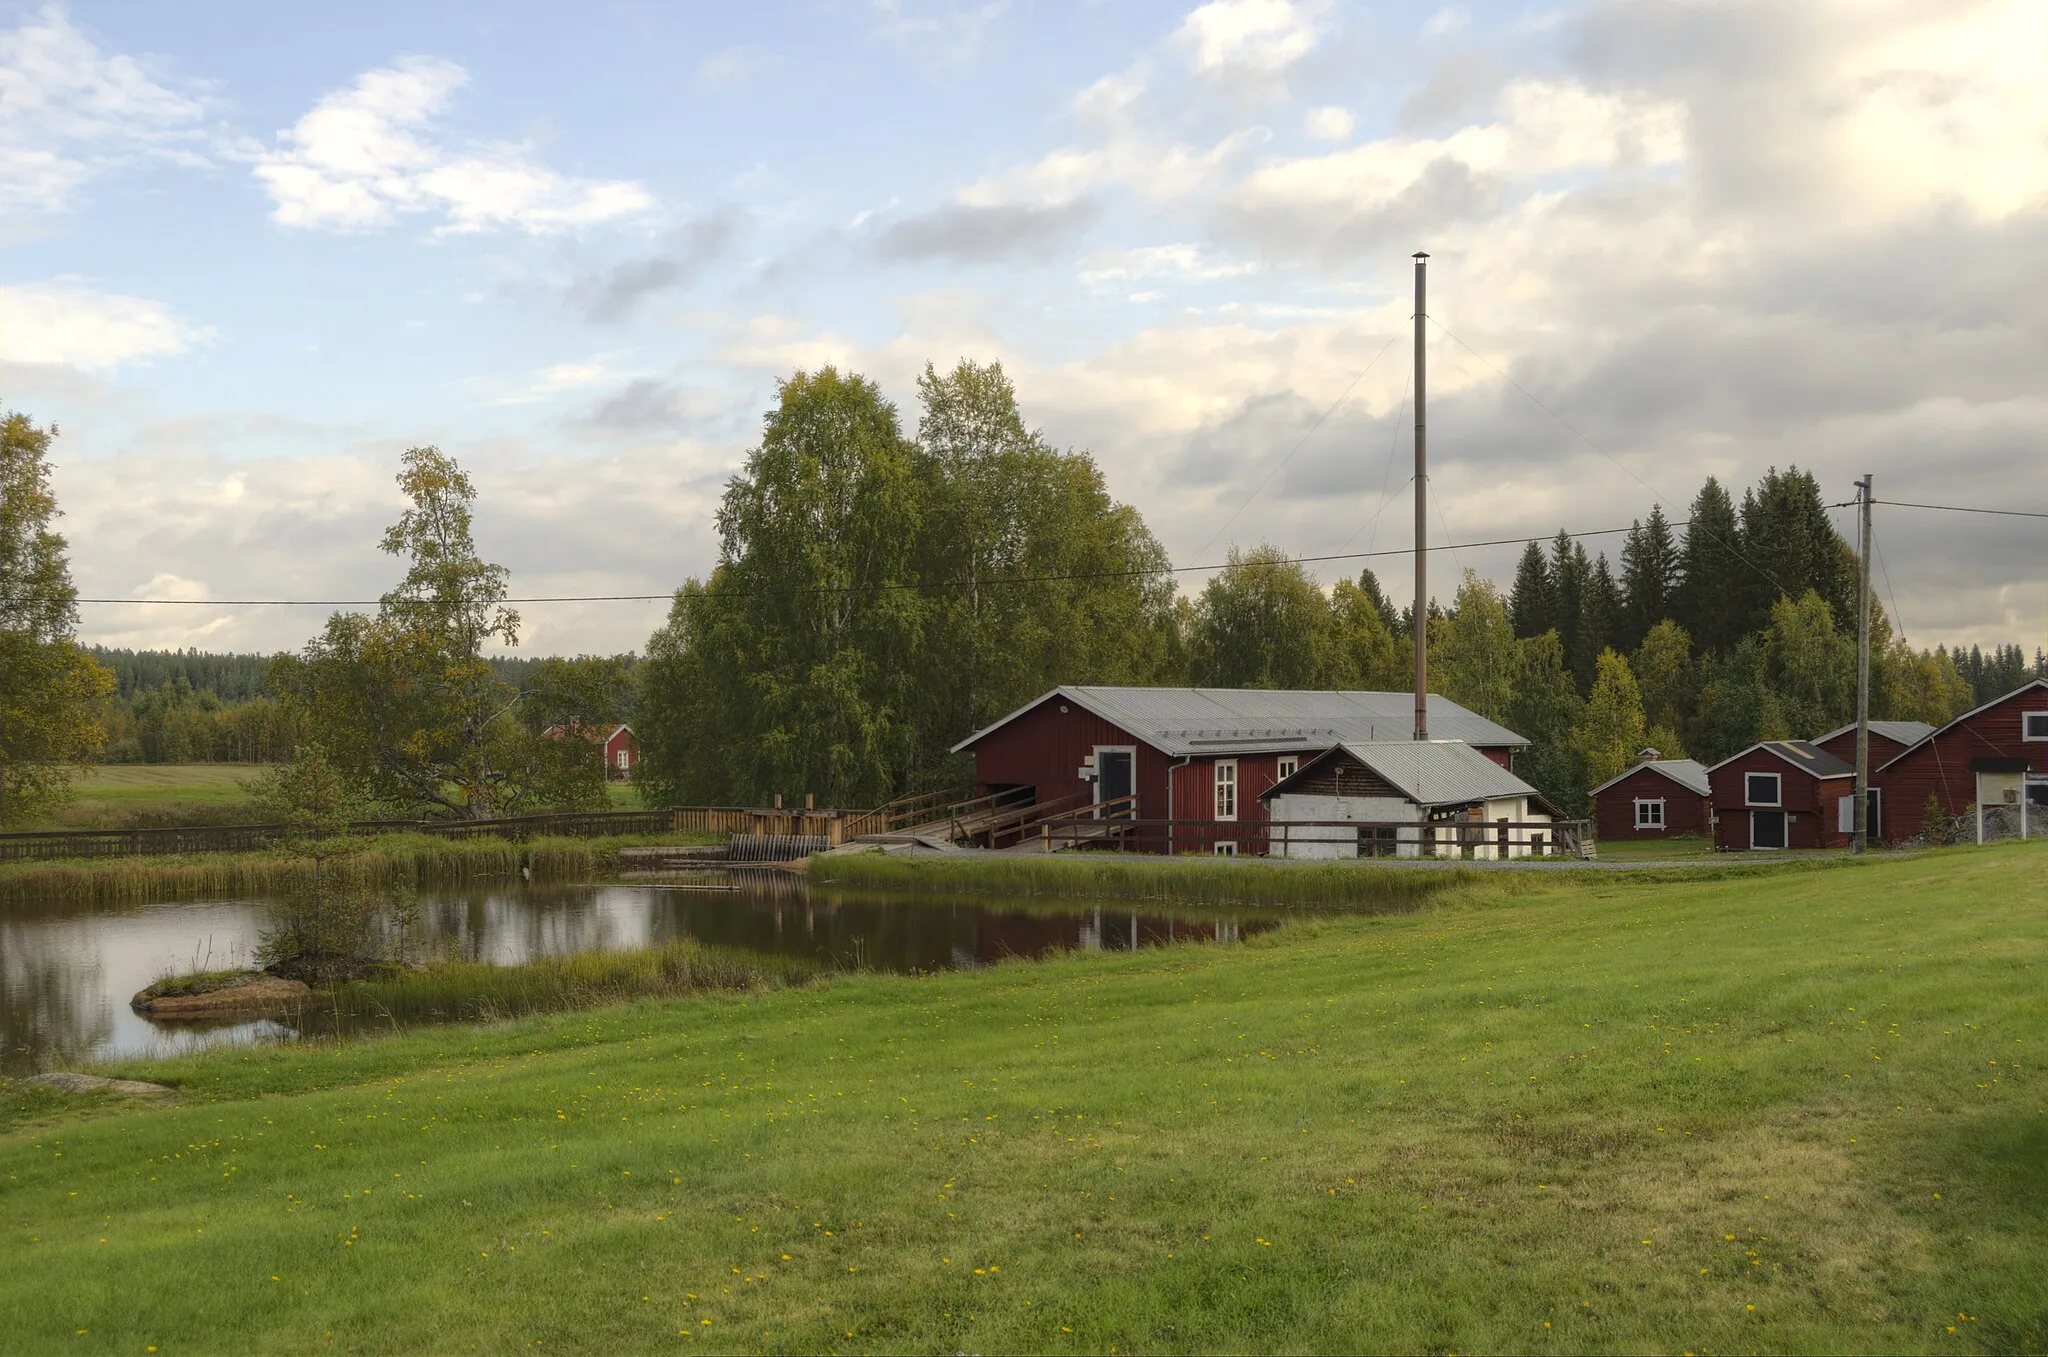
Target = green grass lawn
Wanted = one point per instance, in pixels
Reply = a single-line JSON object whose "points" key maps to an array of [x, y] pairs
{"points": [[1681, 848], [1781, 1110]]}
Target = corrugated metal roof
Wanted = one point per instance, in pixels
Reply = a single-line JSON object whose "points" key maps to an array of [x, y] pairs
{"points": [[1984, 707], [1690, 774], [1905, 732], [1428, 772], [1183, 721]]}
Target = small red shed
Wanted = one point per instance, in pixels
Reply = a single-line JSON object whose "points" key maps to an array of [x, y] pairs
{"points": [[1203, 754], [1656, 799], [1780, 794], [1994, 756], [618, 747]]}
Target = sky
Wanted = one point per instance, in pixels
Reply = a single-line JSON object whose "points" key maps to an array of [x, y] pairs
{"points": [[250, 253]]}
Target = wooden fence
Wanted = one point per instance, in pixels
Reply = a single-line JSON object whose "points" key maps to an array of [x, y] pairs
{"points": [[1470, 840]]}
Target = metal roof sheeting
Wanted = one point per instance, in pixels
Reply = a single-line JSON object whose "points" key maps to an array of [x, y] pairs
{"points": [[1427, 772], [1799, 754], [1690, 774], [1184, 721], [1905, 732]]}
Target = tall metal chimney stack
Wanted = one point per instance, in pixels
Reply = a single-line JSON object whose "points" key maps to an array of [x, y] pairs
{"points": [[1421, 511]]}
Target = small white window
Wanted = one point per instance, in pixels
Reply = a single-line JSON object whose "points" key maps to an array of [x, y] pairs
{"points": [[1227, 848], [1650, 814], [1226, 790], [1289, 764], [1763, 789], [2034, 725], [622, 758]]}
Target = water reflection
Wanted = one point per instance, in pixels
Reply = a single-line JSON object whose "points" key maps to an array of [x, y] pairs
{"points": [[68, 970]]}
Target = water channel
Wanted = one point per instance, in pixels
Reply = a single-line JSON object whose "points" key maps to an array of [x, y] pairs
{"points": [[68, 970]]}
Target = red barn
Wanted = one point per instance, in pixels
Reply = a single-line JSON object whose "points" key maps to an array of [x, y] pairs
{"points": [[1655, 800], [1888, 740], [1994, 756], [1780, 794], [1203, 754]]}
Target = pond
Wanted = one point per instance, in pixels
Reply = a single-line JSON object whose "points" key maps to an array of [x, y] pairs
{"points": [[68, 970]]}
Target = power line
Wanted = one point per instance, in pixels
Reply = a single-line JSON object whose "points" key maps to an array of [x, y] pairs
{"points": [[928, 587], [1303, 442], [1655, 494], [1961, 509]]}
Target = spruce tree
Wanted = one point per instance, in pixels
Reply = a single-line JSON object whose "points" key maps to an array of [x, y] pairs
{"points": [[1530, 602], [1599, 618], [1369, 585], [1568, 571], [1649, 577], [1711, 572], [1793, 547]]}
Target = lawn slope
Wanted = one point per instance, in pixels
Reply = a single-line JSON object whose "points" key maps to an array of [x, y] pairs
{"points": [[1785, 1111]]}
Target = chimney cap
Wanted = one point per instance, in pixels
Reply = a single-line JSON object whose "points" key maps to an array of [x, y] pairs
{"points": [[1421, 254], [1648, 755]]}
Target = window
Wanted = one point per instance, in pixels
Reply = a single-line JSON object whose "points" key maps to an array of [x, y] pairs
{"points": [[1287, 767], [2034, 725], [1226, 790], [1763, 789], [1650, 814], [1845, 813], [1227, 848], [623, 756]]}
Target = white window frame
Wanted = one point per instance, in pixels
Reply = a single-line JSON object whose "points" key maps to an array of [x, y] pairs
{"points": [[1644, 803], [1102, 749], [1226, 848], [1286, 767], [1224, 789], [624, 754], [1774, 847], [1777, 781], [2027, 719]]}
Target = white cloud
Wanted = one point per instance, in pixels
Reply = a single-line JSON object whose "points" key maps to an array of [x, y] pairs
{"points": [[1329, 124], [1256, 35], [368, 153], [1181, 261], [69, 111], [1446, 21], [943, 37], [560, 379], [64, 321]]}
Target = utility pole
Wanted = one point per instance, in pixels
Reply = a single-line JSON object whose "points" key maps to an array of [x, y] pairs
{"points": [[1861, 840], [1421, 513]]}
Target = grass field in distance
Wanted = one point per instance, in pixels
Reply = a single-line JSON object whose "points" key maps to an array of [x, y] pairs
{"points": [[1782, 1110]]}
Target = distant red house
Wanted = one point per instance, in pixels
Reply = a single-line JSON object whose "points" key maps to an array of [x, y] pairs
{"points": [[1996, 755], [1656, 799], [1204, 754], [618, 746], [1780, 794]]}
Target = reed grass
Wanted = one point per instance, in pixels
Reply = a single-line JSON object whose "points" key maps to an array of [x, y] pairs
{"points": [[392, 860], [470, 991], [1116, 877]]}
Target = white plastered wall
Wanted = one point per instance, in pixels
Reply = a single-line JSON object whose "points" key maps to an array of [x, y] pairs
{"points": [[1336, 841]]}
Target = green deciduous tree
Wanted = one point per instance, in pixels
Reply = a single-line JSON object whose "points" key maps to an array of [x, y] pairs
{"points": [[1363, 653], [1611, 731], [1810, 665], [1546, 709], [1261, 622], [1663, 669], [406, 703], [52, 694], [1476, 664]]}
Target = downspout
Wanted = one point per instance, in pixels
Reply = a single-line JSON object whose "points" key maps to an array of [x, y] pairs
{"points": [[1171, 769]]}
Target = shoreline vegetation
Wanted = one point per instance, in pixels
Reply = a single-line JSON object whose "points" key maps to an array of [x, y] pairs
{"points": [[1192, 879], [388, 861], [1661, 1096]]}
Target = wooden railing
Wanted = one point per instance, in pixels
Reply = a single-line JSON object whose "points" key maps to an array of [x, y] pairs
{"points": [[1472, 840]]}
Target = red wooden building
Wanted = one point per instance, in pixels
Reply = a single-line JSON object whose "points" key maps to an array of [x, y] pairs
{"points": [[1203, 754], [1996, 755], [1656, 799], [1888, 740], [618, 747], [1780, 794]]}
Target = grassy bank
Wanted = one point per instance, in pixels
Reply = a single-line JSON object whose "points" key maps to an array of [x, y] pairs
{"points": [[135, 796], [457, 991], [421, 860], [1117, 876], [1788, 1111]]}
